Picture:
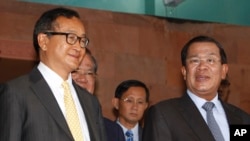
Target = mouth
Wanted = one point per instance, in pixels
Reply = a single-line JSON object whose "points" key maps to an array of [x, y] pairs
{"points": [[201, 78], [133, 114], [74, 56]]}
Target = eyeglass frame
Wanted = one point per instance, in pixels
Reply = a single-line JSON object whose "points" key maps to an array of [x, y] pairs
{"points": [[85, 73], [86, 41], [128, 100], [208, 60]]}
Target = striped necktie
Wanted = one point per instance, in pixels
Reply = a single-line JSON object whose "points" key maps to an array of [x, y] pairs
{"points": [[129, 135]]}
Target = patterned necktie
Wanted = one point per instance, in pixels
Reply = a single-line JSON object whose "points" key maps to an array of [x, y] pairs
{"points": [[129, 135], [211, 122], [71, 114]]}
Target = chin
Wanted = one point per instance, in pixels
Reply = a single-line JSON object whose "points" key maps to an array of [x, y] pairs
{"points": [[83, 86]]}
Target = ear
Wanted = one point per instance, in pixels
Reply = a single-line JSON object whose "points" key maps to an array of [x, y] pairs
{"points": [[42, 41], [184, 72], [224, 71], [146, 106], [115, 103]]}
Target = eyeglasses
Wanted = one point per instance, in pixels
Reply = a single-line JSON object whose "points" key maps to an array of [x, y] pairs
{"points": [[131, 101], [87, 74], [197, 61], [72, 38]]}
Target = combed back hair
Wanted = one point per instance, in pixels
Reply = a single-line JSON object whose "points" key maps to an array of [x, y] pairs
{"points": [[47, 22], [199, 39], [88, 52], [125, 85]]}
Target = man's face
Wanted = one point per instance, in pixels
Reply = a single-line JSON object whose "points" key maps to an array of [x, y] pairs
{"points": [[56, 53], [204, 71], [85, 75], [131, 106]]}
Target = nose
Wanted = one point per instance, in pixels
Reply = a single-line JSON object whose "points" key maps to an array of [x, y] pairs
{"points": [[83, 78], [78, 47], [202, 65], [135, 105]]}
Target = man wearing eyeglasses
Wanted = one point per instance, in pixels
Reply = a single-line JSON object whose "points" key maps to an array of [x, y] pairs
{"points": [[199, 114], [46, 105], [85, 76], [130, 101]]}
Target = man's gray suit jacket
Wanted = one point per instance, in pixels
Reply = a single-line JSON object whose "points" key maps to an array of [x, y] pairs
{"points": [[179, 119], [29, 112]]}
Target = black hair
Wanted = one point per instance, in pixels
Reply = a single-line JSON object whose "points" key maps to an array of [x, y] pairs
{"points": [[47, 22], [125, 85], [88, 52], [201, 38]]}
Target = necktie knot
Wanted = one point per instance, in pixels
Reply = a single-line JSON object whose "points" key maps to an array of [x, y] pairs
{"points": [[129, 135], [208, 106], [65, 86]]}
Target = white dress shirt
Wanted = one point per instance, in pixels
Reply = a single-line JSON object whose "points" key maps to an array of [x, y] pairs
{"points": [[218, 111]]}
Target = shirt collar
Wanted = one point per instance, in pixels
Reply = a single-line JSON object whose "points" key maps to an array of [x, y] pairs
{"points": [[199, 102], [135, 129], [51, 77]]}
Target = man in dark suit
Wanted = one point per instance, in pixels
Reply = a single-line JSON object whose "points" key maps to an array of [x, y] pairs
{"points": [[130, 101], [33, 107], [85, 76], [185, 119]]}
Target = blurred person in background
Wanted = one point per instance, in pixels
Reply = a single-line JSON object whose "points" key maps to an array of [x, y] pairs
{"points": [[224, 90], [130, 102], [85, 76]]}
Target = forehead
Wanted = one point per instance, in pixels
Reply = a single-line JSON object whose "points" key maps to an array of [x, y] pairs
{"points": [[86, 63], [73, 25], [203, 48], [135, 92]]}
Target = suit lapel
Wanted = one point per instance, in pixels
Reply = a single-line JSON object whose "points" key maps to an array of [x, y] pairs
{"points": [[231, 115], [140, 133], [194, 119], [44, 93], [87, 104]]}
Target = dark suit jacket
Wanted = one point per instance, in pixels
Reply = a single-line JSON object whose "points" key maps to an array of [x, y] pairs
{"points": [[179, 120], [114, 131], [140, 133], [29, 112]]}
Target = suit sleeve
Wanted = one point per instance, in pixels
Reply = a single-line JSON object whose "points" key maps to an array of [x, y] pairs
{"points": [[155, 126], [98, 130], [102, 125], [10, 115]]}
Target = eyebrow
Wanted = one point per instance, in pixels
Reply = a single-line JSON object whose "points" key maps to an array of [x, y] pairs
{"points": [[73, 31], [85, 70], [196, 55]]}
